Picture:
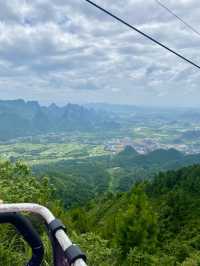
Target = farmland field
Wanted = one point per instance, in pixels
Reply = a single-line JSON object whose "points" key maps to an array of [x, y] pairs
{"points": [[44, 149], [47, 153]]}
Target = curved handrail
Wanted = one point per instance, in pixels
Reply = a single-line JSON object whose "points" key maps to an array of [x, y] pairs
{"points": [[47, 215], [25, 228]]}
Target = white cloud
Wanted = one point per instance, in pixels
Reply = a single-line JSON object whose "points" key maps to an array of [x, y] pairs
{"points": [[67, 50]]}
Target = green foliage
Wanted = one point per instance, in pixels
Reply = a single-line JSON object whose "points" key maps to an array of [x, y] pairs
{"points": [[98, 250], [155, 223], [136, 226], [80, 180], [77, 181], [17, 184]]}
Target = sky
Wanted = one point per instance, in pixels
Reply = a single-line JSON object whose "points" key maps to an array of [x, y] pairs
{"points": [[67, 51]]}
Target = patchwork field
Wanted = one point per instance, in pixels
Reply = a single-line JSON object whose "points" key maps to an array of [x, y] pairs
{"points": [[47, 153]]}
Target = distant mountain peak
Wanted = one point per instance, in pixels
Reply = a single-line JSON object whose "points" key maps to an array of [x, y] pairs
{"points": [[128, 151], [53, 106], [37, 119]]}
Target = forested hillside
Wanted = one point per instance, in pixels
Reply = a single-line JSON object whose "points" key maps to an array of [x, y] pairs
{"points": [[18, 185], [156, 223], [80, 180]]}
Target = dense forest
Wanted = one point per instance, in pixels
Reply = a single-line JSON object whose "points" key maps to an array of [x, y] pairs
{"points": [[157, 222], [80, 180]]}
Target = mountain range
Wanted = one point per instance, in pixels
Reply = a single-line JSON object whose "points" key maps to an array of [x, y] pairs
{"points": [[19, 119]]}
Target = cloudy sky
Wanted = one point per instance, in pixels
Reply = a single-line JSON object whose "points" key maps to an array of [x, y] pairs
{"points": [[67, 51]]}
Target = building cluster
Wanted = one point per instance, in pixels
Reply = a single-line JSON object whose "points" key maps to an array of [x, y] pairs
{"points": [[147, 145]]}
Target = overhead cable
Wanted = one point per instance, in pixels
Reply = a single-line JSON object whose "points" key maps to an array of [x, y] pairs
{"points": [[143, 34], [178, 17]]}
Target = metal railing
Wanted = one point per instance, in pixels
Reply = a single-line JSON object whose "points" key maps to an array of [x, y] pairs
{"points": [[46, 214]]}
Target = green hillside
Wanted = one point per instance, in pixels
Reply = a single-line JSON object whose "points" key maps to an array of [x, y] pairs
{"points": [[156, 223], [80, 180], [18, 185]]}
